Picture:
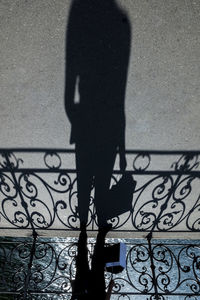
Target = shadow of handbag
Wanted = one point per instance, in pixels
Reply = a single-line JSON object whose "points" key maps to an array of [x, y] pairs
{"points": [[120, 196]]}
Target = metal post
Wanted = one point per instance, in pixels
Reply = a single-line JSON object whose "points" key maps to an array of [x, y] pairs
{"points": [[149, 237], [28, 277]]}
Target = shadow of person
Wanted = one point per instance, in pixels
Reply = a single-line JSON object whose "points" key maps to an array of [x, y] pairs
{"points": [[80, 286], [90, 283], [97, 55]]}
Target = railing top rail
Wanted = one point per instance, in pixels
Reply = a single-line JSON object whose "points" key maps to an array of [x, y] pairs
{"points": [[128, 151], [149, 162]]}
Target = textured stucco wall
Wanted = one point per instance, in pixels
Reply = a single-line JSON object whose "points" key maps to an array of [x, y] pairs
{"points": [[162, 99]]}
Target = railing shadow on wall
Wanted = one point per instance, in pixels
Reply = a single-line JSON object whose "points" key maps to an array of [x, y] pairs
{"points": [[38, 191]]}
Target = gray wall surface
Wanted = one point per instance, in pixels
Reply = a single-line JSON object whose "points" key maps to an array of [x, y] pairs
{"points": [[162, 97]]}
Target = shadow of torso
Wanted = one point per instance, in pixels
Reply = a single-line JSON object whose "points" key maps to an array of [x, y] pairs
{"points": [[98, 43]]}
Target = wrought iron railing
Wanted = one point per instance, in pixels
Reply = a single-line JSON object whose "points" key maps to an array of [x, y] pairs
{"points": [[38, 191], [44, 269]]}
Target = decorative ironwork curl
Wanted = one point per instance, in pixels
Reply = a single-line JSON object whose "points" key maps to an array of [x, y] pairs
{"points": [[187, 162], [47, 198], [141, 162], [53, 268], [148, 211], [10, 161], [52, 160]]}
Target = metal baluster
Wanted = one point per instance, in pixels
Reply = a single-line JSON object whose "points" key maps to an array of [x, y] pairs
{"points": [[28, 277]]}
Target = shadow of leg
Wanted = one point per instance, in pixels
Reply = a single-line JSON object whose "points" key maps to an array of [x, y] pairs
{"points": [[84, 180], [80, 284], [103, 173], [98, 264]]}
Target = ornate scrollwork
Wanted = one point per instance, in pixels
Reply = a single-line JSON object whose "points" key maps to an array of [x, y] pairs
{"points": [[141, 162], [52, 160], [187, 162], [138, 263], [7, 186], [47, 198], [10, 161], [53, 268], [147, 211], [11, 207]]}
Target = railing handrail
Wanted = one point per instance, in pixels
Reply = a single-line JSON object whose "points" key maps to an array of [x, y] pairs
{"points": [[128, 151]]}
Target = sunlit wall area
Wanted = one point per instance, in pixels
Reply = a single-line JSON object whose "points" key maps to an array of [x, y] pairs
{"points": [[162, 95]]}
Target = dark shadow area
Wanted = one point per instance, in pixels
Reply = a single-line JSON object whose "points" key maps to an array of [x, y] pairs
{"points": [[97, 56], [90, 283]]}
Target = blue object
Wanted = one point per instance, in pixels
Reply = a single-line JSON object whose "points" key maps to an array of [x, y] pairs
{"points": [[115, 258]]}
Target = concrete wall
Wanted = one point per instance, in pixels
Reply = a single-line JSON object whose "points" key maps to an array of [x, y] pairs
{"points": [[162, 99]]}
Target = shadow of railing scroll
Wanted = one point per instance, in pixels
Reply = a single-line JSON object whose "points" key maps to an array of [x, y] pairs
{"points": [[38, 191]]}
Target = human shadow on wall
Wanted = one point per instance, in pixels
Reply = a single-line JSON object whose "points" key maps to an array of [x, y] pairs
{"points": [[89, 282], [97, 56]]}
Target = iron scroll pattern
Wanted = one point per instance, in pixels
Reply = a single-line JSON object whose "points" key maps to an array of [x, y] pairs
{"points": [[45, 269], [38, 191]]}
